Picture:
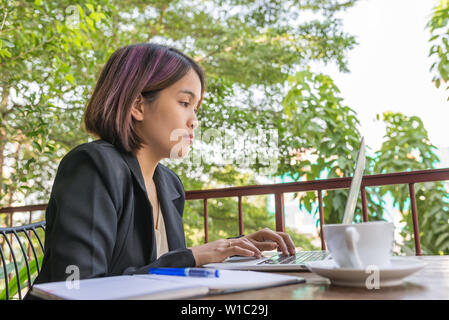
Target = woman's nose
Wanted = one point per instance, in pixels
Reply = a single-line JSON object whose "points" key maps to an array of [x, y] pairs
{"points": [[193, 124]]}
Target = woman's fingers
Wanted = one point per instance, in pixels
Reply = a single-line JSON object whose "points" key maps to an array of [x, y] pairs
{"points": [[289, 242], [239, 251], [246, 245], [249, 246], [279, 239], [265, 245]]}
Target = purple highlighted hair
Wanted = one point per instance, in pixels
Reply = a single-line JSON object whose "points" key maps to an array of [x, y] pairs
{"points": [[143, 68]]}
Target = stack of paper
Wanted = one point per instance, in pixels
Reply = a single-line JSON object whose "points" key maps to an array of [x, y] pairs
{"points": [[231, 280], [119, 287], [160, 287]]}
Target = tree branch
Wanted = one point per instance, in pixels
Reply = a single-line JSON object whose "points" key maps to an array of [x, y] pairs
{"points": [[11, 188], [231, 47], [4, 19], [30, 50]]}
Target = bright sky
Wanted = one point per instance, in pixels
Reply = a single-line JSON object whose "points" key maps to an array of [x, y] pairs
{"points": [[389, 68]]}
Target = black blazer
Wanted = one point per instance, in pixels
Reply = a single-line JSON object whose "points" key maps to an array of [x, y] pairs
{"points": [[99, 217]]}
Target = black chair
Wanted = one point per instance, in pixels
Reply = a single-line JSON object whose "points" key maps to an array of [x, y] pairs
{"points": [[13, 233]]}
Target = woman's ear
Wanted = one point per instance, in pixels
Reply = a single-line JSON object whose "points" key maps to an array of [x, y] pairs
{"points": [[137, 109]]}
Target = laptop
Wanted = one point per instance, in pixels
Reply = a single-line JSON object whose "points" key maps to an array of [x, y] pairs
{"points": [[279, 262]]}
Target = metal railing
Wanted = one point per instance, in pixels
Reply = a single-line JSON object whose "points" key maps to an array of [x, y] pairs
{"points": [[409, 178], [21, 256], [11, 211]]}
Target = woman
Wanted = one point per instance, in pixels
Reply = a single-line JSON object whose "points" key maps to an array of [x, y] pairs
{"points": [[114, 209]]}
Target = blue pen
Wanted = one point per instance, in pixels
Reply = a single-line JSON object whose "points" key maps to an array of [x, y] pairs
{"points": [[186, 272]]}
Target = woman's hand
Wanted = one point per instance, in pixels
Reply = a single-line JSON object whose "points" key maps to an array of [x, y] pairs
{"points": [[267, 239], [219, 250], [250, 245]]}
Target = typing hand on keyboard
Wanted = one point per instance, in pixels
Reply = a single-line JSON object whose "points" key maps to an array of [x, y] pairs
{"points": [[267, 239], [299, 258]]}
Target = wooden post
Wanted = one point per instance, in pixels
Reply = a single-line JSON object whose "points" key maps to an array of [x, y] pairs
{"points": [[240, 216], [415, 220], [206, 224], [320, 208], [364, 205], [279, 202]]}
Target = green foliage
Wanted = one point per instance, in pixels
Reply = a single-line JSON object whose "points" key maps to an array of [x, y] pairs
{"points": [[432, 203], [57, 48], [47, 65], [408, 148], [51, 53], [319, 140], [439, 32], [223, 217], [23, 276]]}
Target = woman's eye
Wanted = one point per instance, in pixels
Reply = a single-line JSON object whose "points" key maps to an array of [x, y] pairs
{"points": [[186, 104]]}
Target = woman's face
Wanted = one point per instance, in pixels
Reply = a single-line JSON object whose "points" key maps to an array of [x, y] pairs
{"points": [[167, 124]]}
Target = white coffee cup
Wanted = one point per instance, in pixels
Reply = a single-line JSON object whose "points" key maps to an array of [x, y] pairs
{"points": [[359, 245]]}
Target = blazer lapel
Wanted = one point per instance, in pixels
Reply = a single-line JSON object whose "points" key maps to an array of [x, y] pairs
{"points": [[166, 193], [134, 166]]}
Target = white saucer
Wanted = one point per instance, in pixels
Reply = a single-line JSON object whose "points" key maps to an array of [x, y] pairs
{"points": [[389, 276]]}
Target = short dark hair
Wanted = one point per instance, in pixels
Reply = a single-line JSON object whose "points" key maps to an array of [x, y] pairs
{"points": [[143, 68]]}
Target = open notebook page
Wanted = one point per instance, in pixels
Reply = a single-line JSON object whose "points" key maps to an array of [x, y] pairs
{"points": [[232, 280], [119, 287]]}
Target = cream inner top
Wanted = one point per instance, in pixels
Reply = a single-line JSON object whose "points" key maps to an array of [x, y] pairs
{"points": [[161, 235]]}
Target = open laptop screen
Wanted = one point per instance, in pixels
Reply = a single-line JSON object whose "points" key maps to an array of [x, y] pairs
{"points": [[355, 184]]}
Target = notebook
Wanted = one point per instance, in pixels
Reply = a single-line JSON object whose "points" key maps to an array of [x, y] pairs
{"points": [[117, 288], [160, 287]]}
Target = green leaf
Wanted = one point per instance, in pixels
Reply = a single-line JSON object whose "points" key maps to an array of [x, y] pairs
{"points": [[23, 275], [36, 145], [70, 78], [441, 238], [7, 43], [81, 11], [90, 7], [5, 53]]}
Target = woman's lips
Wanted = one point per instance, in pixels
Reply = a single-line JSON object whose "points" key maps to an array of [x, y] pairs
{"points": [[189, 138]]}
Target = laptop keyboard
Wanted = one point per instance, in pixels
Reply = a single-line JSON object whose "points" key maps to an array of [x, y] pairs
{"points": [[300, 258]]}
